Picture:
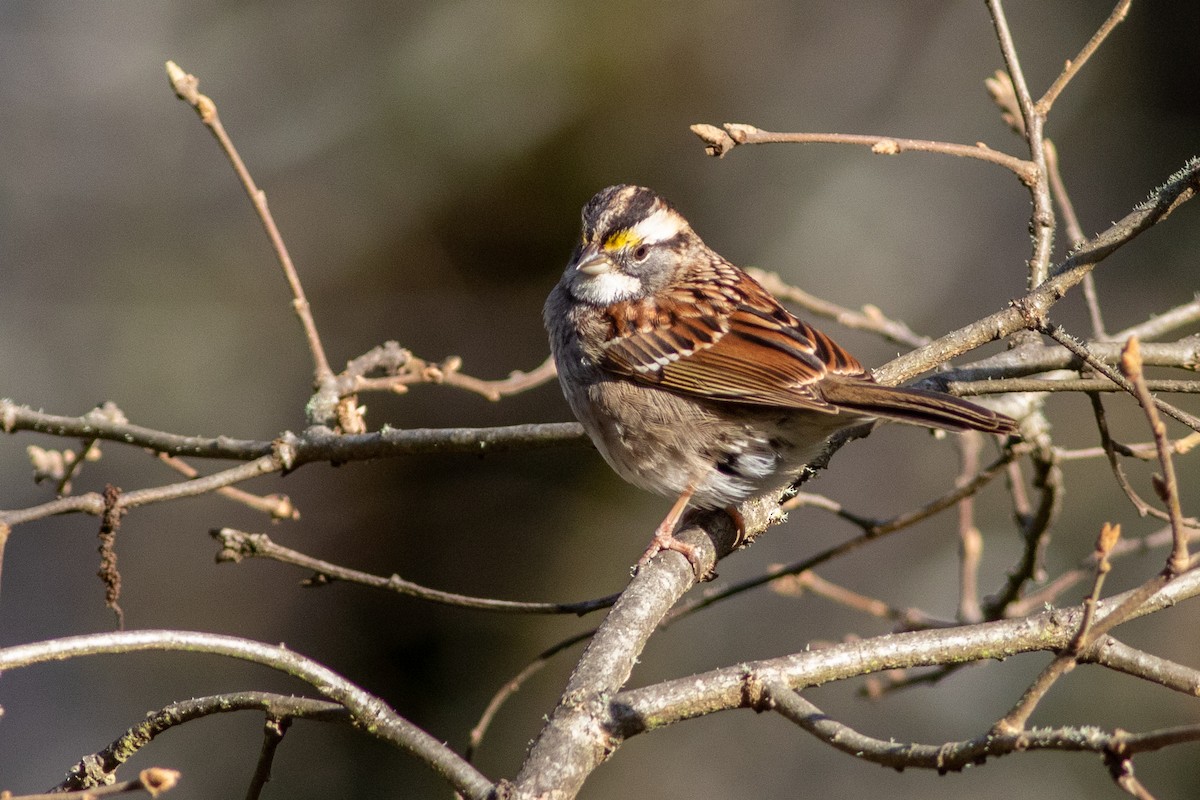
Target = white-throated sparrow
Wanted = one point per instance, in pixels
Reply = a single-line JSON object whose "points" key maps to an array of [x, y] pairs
{"points": [[691, 379]]}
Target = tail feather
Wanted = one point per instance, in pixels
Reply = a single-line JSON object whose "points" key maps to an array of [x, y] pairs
{"points": [[915, 406]]}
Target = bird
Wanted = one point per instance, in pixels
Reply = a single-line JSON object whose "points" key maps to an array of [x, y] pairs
{"points": [[692, 380]]}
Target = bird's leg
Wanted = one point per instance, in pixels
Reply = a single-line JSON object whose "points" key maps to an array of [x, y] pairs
{"points": [[664, 535], [739, 522]]}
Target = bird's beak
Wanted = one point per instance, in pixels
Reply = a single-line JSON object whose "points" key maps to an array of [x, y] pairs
{"points": [[593, 262]]}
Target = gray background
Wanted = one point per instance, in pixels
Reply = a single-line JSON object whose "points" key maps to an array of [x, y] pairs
{"points": [[426, 163]]}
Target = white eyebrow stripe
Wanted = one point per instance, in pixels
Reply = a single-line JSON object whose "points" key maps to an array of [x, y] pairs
{"points": [[660, 226]]}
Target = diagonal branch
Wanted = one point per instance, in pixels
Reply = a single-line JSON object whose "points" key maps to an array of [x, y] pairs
{"points": [[1035, 305], [237, 545], [187, 88]]}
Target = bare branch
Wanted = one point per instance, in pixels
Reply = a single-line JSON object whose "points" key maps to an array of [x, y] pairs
{"points": [[810, 582], [560, 759], [1108, 652], [1010, 385], [1035, 530], [278, 506], [315, 444], [872, 530], [400, 373], [1055, 588], [187, 88], [869, 319], [374, 716], [93, 770], [1084, 351], [1035, 305], [1163, 323], [635, 711], [237, 545], [1167, 486], [1074, 65], [1038, 358], [274, 729], [153, 781], [721, 142], [1110, 450], [514, 685], [970, 540]]}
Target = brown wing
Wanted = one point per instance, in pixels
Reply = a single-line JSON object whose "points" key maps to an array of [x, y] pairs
{"points": [[720, 335]]}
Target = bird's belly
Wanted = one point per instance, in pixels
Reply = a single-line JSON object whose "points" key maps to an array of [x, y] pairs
{"points": [[723, 461]]}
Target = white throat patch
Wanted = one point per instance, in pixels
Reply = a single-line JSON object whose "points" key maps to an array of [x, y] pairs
{"points": [[606, 288]]}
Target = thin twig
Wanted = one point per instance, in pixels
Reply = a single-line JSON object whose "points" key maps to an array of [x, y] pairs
{"points": [[1074, 65], [1035, 531], [1144, 451], [153, 781], [237, 545], [1042, 221], [719, 142], [274, 729], [1015, 720], [278, 506], [872, 530], [95, 769], [88, 452], [512, 686], [869, 319], [1167, 487], [1109, 448], [1035, 306], [1118, 656], [1105, 542], [1010, 385], [1163, 323], [970, 540], [950, 756], [633, 711], [1047, 594], [910, 619], [1082, 350], [94, 503], [314, 444], [1075, 237], [1025, 360], [1120, 769], [186, 87]]}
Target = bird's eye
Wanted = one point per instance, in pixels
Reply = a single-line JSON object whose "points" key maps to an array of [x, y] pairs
{"points": [[641, 253]]}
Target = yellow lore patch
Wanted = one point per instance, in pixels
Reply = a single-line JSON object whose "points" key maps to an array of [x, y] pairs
{"points": [[622, 239]]}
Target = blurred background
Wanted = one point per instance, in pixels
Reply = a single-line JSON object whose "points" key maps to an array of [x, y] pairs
{"points": [[426, 163]]}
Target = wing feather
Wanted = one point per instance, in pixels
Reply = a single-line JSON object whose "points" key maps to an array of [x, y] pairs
{"points": [[721, 336]]}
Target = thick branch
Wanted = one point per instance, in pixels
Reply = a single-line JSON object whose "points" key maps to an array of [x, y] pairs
{"points": [[639, 710], [561, 757]]}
